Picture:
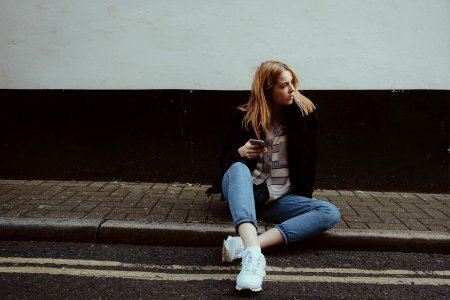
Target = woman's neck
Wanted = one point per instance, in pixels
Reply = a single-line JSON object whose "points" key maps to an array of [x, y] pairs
{"points": [[276, 116]]}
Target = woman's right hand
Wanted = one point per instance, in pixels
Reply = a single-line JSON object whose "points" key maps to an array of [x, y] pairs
{"points": [[251, 151]]}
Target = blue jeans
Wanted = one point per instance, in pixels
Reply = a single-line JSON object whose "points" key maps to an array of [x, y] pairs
{"points": [[296, 217]]}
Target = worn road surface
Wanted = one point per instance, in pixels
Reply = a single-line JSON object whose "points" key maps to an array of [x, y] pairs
{"points": [[42, 270]]}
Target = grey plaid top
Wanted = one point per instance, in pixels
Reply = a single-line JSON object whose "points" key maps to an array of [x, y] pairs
{"points": [[272, 166]]}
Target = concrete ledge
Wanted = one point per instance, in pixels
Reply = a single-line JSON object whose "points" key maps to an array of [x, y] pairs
{"points": [[212, 235], [175, 234], [172, 234], [384, 240], [46, 229]]}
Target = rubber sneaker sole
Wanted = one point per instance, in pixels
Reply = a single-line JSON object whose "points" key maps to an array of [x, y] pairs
{"points": [[224, 253], [248, 288]]}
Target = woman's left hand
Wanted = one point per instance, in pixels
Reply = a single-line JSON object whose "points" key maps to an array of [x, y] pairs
{"points": [[251, 151]]}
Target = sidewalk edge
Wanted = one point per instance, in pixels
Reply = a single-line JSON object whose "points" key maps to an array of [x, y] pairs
{"points": [[60, 230], [175, 234]]}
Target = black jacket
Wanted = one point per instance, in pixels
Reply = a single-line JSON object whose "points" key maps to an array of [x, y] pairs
{"points": [[301, 147]]}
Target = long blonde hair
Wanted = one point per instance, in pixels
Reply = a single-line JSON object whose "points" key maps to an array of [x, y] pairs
{"points": [[259, 114]]}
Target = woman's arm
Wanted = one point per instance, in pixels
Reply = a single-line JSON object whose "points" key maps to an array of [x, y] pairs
{"points": [[236, 137]]}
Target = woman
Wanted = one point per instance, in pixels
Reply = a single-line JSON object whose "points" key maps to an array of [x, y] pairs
{"points": [[274, 180]]}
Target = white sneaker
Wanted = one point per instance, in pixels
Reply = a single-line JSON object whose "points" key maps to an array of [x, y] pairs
{"points": [[253, 271], [232, 249]]}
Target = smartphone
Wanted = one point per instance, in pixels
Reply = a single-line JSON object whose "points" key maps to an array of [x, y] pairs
{"points": [[257, 142]]}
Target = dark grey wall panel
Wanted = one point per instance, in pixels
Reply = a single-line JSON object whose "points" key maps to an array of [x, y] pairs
{"points": [[376, 140]]}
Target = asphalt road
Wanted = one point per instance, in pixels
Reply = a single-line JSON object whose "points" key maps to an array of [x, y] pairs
{"points": [[42, 270]]}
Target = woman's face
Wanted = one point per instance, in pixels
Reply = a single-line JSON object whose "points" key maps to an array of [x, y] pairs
{"points": [[283, 90]]}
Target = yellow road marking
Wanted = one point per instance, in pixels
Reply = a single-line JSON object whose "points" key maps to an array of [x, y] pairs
{"points": [[354, 280], [60, 261], [116, 274], [358, 271], [139, 275], [105, 263], [100, 263]]}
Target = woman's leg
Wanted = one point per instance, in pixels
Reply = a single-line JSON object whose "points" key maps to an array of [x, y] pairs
{"points": [[300, 218], [237, 187], [270, 238], [248, 234]]}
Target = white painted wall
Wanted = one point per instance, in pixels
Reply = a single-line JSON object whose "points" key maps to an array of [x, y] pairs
{"points": [[217, 44]]}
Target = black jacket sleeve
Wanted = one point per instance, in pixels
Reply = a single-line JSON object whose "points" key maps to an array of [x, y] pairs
{"points": [[236, 137]]}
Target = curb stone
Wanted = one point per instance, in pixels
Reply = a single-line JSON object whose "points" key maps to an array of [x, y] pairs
{"points": [[166, 234], [211, 235], [61, 230]]}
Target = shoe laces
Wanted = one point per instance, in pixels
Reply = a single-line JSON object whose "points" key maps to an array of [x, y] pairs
{"points": [[252, 263], [238, 250]]}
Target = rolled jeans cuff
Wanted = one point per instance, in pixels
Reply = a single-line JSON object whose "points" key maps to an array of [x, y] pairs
{"points": [[283, 233], [244, 220]]}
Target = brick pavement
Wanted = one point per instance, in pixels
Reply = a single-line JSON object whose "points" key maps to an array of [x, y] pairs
{"points": [[187, 203]]}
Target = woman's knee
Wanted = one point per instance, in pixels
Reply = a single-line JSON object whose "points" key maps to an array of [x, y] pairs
{"points": [[239, 169], [237, 178], [333, 215], [330, 214]]}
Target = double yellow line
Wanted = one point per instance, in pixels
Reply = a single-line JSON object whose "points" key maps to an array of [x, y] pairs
{"points": [[96, 268]]}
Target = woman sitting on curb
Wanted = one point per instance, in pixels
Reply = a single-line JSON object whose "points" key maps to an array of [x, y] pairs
{"points": [[273, 177]]}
